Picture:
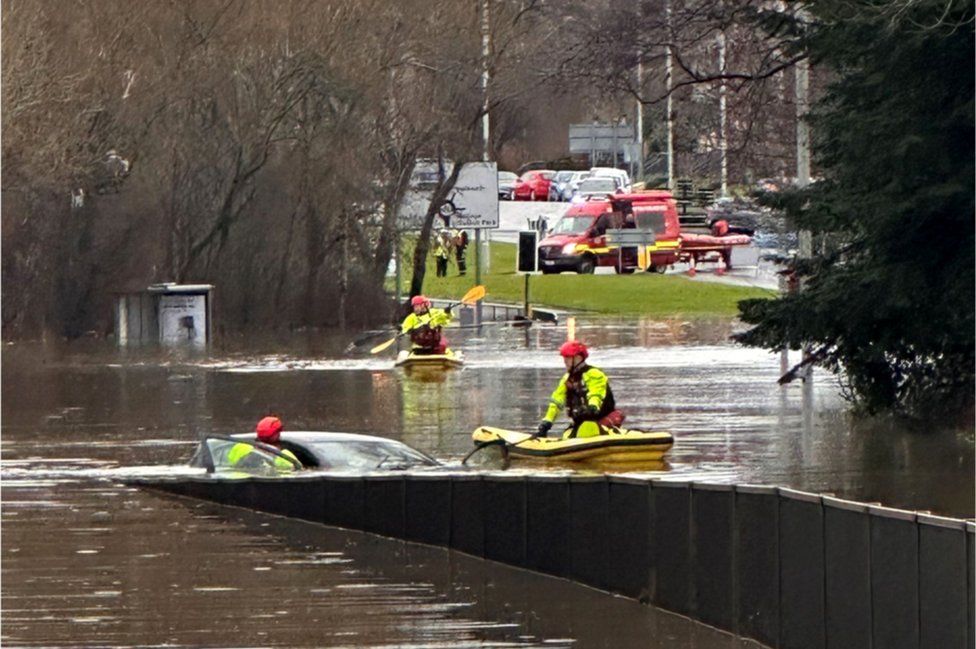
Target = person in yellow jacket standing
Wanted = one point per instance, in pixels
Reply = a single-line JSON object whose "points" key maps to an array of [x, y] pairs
{"points": [[424, 326], [584, 391], [269, 432]]}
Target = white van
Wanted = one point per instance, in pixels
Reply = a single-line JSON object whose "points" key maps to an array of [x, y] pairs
{"points": [[622, 176]]}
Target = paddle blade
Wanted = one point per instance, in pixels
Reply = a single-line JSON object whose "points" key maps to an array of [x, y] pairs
{"points": [[383, 345], [475, 294]]}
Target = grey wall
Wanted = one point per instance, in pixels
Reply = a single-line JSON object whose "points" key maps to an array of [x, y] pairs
{"points": [[787, 568]]}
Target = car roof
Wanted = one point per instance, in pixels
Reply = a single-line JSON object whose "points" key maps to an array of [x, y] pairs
{"points": [[308, 436]]}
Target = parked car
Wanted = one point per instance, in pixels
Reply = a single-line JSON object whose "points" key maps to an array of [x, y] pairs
{"points": [[506, 185], [315, 450], [605, 186], [534, 185], [565, 184], [623, 178]]}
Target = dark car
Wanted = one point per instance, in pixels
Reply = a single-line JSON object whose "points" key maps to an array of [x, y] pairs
{"points": [[506, 185], [314, 450]]}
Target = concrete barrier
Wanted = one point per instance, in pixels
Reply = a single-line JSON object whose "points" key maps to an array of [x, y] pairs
{"points": [[711, 562], [801, 570], [944, 573], [847, 573], [671, 532], [894, 578], [755, 537], [783, 567]]}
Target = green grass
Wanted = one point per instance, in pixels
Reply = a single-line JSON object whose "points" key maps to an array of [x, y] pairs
{"points": [[641, 293]]}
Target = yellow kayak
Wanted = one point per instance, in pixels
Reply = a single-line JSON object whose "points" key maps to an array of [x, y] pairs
{"points": [[616, 446], [410, 360]]}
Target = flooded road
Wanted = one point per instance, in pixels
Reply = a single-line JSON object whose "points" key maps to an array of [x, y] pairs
{"points": [[88, 562]]}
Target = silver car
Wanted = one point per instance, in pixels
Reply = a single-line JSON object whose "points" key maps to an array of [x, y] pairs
{"points": [[565, 184]]}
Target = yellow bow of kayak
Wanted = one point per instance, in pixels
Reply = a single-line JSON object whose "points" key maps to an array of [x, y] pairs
{"points": [[616, 446], [411, 360]]}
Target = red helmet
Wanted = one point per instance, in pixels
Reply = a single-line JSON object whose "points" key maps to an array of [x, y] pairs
{"points": [[573, 348], [269, 429], [419, 300]]}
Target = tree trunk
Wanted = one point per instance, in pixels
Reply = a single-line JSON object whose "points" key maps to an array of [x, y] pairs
{"points": [[444, 187]]}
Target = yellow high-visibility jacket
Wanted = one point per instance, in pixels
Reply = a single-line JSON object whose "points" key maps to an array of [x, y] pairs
{"points": [[434, 318], [590, 388], [429, 336], [239, 452]]}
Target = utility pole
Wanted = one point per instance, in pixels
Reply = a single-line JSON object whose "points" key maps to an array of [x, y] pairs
{"points": [[803, 180], [485, 132], [668, 66], [639, 173], [723, 146]]}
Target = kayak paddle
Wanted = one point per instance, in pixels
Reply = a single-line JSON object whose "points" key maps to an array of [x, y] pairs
{"points": [[471, 297]]}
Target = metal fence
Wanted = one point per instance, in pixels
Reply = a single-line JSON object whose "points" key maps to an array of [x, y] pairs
{"points": [[786, 568]]}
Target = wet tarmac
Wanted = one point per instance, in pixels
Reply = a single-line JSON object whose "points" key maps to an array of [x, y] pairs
{"points": [[89, 562]]}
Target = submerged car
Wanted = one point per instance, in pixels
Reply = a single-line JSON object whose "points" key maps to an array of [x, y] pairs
{"points": [[314, 450]]}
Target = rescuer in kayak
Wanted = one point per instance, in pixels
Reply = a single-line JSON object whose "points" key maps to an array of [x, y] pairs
{"points": [[269, 432], [585, 393], [424, 326]]}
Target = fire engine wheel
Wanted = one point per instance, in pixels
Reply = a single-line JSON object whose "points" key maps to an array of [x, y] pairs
{"points": [[586, 266]]}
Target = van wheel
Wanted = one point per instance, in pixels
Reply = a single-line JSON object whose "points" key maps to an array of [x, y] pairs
{"points": [[585, 266], [660, 270]]}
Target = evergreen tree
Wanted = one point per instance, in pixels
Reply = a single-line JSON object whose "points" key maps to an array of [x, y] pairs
{"points": [[888, 300]]}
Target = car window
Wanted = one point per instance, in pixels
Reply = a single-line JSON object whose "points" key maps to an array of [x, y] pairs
{"points": [[563, 176], [367, 455], [218, 454], [572, 225], [547, 174]]}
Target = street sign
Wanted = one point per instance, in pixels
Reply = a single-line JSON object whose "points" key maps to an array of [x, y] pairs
{"points": [[471, 204]]}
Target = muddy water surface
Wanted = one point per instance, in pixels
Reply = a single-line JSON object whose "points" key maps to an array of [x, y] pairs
{"points": [[89, 562]]}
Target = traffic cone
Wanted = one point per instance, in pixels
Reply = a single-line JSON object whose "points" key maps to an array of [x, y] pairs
{"points": [[721, 265], [691, 266]]}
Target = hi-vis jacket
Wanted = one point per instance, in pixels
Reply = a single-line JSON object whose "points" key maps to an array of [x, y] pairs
{"points": [[587, 387], [424, 329], [239, 453]]}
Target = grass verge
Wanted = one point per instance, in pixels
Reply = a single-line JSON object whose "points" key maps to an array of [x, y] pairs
{"points": [[639, 294]]}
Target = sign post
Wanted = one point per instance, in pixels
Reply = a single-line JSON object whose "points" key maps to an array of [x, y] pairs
{"points": [[629, 237], [472, 204]]}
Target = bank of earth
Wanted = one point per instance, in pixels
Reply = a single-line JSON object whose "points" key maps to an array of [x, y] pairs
{"points": [[647, 294]]}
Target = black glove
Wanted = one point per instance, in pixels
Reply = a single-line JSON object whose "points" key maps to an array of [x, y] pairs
{"points": [[544, 427], [448, 308]]}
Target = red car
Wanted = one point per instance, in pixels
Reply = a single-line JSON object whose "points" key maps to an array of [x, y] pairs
{"points": [[534, 185]]}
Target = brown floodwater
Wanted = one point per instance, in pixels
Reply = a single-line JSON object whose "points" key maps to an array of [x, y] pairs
{"points": [[89, 562]]}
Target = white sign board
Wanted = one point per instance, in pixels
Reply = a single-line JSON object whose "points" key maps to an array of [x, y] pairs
{"points": [[183, 319], [472, 203]]}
